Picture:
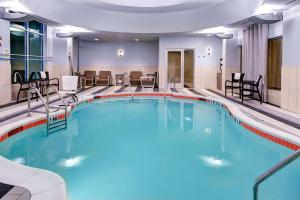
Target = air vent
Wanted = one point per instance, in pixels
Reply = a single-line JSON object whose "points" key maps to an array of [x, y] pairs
{"points": [[224, 36]]}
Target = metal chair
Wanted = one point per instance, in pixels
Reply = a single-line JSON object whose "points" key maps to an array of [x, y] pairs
{"points": [[45, 81], [235, 83], [249, 88], [25, 85]]}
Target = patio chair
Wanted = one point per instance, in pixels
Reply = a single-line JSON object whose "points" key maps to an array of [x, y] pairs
{"points": [[104, 78], [89, 77], [235, 83], [69, 87], [25, 85], [135, 77], [45, 81], [249, 88]]}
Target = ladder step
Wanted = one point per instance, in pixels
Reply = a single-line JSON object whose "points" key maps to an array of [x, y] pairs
{"points": [[53, 127], [51, 132], [56, 122]]}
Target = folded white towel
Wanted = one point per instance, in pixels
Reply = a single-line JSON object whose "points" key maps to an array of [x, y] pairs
{"points": [[43, 75]]}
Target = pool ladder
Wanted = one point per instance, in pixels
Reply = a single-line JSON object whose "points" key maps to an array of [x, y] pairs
{"points": [[53, 123], [273, 171]]}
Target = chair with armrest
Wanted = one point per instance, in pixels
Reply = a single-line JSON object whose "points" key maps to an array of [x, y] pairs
{"points": [[104, 78], [45, 81], [249, 88], [235, 83], [25, 85], [89, 77], [135, 77]]}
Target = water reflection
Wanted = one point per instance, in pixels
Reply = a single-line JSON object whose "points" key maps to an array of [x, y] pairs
{"points": [[72, 162], [214, 162]]}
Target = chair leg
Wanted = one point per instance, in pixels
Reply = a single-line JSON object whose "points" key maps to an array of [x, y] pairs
{"points": [[260, 97], [18, 95], [232, 89]]}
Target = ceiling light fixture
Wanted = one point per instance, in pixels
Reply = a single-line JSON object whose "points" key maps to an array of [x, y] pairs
{"points": [[136, 39], [72, 29], [96, 39], [215, 30]]}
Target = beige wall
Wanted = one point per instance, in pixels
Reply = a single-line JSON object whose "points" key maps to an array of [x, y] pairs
{"points": [[5, 82], [274, 97], [206, 77], [290, 89]]}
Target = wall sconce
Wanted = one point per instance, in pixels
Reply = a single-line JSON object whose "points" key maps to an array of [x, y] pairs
{"points": [[208, 51], [121, 53]]}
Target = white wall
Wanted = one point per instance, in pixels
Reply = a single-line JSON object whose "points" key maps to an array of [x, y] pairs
{"points": [[5, 67], [206, 67], [231, 58], [143, 54], [57, 55]]}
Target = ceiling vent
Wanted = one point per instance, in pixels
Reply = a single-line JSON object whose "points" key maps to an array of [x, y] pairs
{"points": [[224, 36]]}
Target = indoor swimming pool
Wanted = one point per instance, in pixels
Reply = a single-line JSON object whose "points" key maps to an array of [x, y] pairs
{"points": [[156, 149]]}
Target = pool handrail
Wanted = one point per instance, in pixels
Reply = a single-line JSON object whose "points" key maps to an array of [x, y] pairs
{"points": [[29, 101], [129, 84], [273, 171], [168, 81]]}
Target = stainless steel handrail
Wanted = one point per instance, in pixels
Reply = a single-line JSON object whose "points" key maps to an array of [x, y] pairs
{"points": [[129, 84], [29, 102], [168, 81], [273, 171]]}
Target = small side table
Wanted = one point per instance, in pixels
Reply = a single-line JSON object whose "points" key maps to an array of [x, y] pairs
{"points": [[148, 81], [119, 79]]}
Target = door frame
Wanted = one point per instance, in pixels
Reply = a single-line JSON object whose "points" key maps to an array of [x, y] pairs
{"points": [[194, 62], [177, 85]]}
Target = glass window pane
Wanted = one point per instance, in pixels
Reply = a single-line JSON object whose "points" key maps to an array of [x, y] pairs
{"points": [[17, 43], [35, 44], [34, 65], [174, 66], [35, 27]]}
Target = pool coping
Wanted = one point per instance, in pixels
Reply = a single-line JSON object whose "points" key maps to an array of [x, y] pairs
{"points": [[48, 185]]}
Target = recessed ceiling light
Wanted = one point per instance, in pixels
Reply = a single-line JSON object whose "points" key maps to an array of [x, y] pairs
{"points": [[136, 39], [96, 39]]}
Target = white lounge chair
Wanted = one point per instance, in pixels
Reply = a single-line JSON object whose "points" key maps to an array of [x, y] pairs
{"points": [[69, 87]]}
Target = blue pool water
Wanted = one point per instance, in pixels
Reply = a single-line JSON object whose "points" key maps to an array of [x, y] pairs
{"points": [[153, 149]]}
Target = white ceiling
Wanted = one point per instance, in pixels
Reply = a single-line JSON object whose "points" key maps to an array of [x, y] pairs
{"points": [[143, 16], [146, 6]]}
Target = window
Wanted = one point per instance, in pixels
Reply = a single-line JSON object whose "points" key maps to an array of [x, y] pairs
{"points": [[26, 48], [274, 63]]}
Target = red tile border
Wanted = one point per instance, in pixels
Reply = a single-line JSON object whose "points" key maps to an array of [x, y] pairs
{"points": [[252, 129]]}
